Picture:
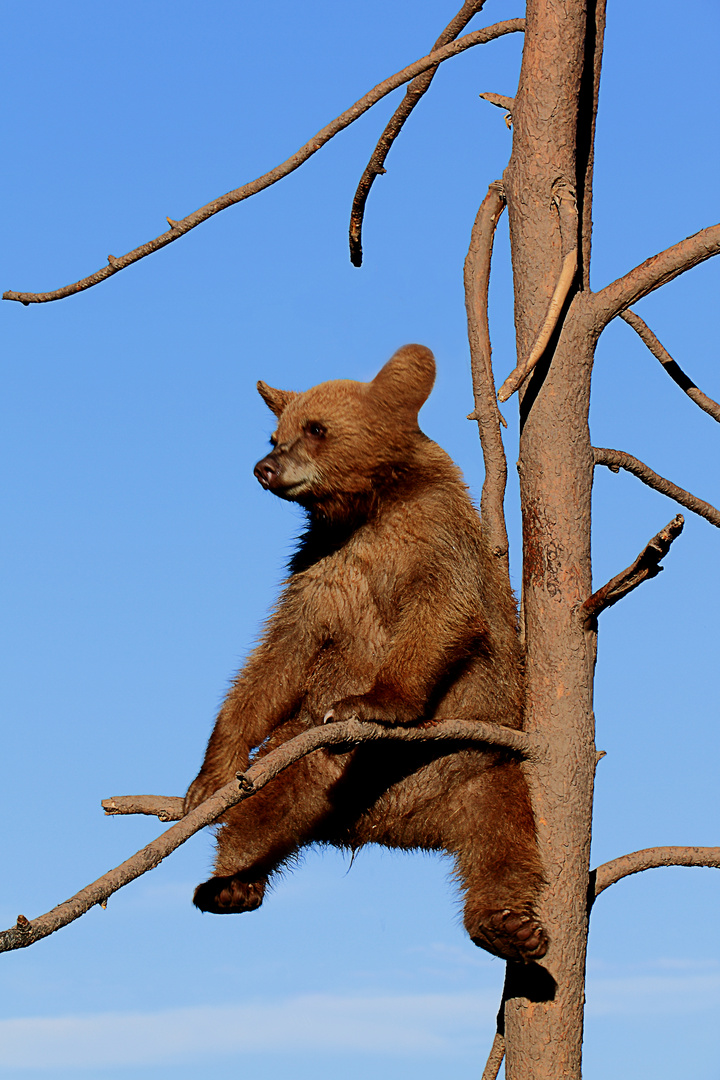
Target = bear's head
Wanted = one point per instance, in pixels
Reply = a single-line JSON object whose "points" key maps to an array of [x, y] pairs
{"points": [[341, 440]]}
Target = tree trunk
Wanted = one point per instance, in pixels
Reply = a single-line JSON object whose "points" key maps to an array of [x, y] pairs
{"points": [[548, 191]]}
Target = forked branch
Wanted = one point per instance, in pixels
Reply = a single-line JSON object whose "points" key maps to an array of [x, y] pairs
{"points": [[673, 369], [486, 412], [348, 733], [654, 272], [567, 210], [651, 858], [413, 94], [645, 566], [179, 228], [618, 459]]}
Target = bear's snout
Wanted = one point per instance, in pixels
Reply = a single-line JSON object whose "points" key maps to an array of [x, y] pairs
{"points": [[266, 471]]}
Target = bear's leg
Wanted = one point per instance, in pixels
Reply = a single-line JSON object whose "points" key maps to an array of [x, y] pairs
{"points": [[258, 835], [513, 933], [499, 868]]}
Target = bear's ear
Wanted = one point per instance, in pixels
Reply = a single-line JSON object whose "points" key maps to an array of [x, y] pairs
{"points": [[406, 380], [276, 400]]}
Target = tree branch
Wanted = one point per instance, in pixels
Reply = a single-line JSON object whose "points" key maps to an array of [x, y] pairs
{"points": [[416, 89], [163, 807], [347, 733], [179, 228], [495, 1058], [486, 412], [650, 858], [654, 272], [567, 210], [618, 459], [673, 369], [500, 100], [645, 567]]}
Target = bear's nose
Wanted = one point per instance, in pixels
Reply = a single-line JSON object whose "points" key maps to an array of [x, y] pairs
{"points": [[266, 471]]}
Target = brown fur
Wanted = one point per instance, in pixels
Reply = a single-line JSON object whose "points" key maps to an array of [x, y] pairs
{"points": [[393, 612]]}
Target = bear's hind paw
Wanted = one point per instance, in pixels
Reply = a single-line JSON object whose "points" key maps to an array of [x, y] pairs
{"points": [[512, 935], [229, 895]]}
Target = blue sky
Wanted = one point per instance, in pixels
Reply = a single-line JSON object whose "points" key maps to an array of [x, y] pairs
{"points": [[140, 555]]}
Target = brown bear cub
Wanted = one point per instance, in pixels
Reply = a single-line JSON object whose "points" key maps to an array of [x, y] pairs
{"points": [[393, 612]]}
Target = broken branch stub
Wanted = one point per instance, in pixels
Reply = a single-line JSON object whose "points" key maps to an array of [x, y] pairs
{"points": [[646, 566]]}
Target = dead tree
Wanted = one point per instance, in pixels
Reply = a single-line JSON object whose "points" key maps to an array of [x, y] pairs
{"points": [[547, 192]]}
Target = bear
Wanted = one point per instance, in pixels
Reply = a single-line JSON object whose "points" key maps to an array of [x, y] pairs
{"points": [[394, 612]]}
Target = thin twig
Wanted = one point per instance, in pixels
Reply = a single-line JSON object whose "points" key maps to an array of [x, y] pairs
{"points": [[567, 210], [645, 567], [486, 412], [347, 733], [618, 459], [416, 89], [676, 373], [495, 1058], [650, 858], [654, 272], [179, 228]]}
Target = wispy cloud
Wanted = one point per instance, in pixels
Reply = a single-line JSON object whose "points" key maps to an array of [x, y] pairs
{"points": [[435, 1024]]}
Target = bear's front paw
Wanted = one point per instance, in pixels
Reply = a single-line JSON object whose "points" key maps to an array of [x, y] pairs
{"points": [[512, 935], [229, 895], [369, 707]]}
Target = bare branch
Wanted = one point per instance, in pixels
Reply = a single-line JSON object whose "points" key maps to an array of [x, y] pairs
{"points": [[673, 369], [517, 377], [500, 100], [654, 272], [645, 567], [416, 89], [650, 858], [164, 807], [567, 211], [486, 412], [348, 733], [618, 459], [179, 228], [495, 1058]]}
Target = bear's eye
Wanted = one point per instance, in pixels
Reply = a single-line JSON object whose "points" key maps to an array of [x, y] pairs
{"points": [[273, 439], [318, 431]]}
